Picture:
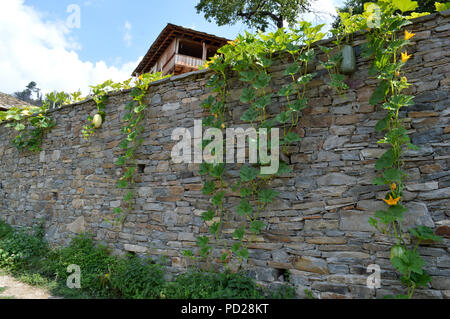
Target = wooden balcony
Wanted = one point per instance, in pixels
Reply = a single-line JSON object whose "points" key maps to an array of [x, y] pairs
{"points": [[180, 63]]}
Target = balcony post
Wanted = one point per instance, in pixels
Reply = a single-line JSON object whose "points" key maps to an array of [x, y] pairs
{"points": [[205, 49]]}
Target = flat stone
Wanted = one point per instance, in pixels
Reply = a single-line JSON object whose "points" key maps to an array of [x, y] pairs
{"points": [[326, 240], [78, 226], [371, 205], [372, 152], [334, 142], [135, 248], [335, 179], [422, 187], [56, 155], [42, 156], [171, 107], [354, 220], [311, 264], [436, 194], [417, 215]]}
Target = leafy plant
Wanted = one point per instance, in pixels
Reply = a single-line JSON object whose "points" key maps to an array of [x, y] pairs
{"points": [[251, 56], [133, 129], [389, 56]]}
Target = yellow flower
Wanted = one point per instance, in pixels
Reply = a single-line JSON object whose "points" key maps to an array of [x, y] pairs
{"points": [[223, 125], [393, 186], [107, 275], [404, 79], [397, 74], [141, 77], [231, 43], [405, 56], [128, 130], [215, 115], [409, 35], [391, 201]]}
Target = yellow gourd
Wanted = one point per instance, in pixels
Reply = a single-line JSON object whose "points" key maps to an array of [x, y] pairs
{"points": [[97, 121]]}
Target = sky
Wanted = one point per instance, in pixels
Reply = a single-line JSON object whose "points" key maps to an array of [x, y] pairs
{"points": [[67, 45]]}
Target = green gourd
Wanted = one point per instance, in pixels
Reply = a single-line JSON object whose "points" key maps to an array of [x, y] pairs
{"points": [[348, 64]]}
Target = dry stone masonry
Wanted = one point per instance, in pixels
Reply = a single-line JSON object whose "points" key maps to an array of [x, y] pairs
{"points": [[318, 232]]}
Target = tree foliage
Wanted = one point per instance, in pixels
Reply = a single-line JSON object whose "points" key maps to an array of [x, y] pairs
{"points": [[357, 7], [27, 94], [258, 14]]}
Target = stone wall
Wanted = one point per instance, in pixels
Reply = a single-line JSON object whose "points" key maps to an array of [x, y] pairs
{"points": [[318, 227]]}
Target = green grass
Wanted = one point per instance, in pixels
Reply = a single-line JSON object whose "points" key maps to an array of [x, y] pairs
{"points": [[25, 255]]}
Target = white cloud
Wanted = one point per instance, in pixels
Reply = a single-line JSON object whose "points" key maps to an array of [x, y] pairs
{"points": [[32, 49], [127, 36], [324, 11]]}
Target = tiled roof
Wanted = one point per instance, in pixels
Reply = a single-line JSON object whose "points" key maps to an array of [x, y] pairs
{"points": [[7, 101], [166, 37]]}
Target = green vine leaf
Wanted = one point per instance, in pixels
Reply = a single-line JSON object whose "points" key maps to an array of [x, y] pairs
{"points": [[424, 233], [305, 79], [299, 105], [383, 124], [292, 69], [248, 174], [393, 174], [208, 215], [262, 80], [248, 76], [244, 208], [283, 117], [256, 226], [286, 90], [122, 183], [248, 95], [217, 199], [267, 196], [243, 253], [250, 115], [291, 138], [380, 93], [385, 161], [209, 188], [208, 102], [239, 234], [214, 228], [263, 101], [245, 192], [218, 170]]}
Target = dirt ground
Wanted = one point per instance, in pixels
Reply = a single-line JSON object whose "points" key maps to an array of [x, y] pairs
{"points": [[10, 288]]}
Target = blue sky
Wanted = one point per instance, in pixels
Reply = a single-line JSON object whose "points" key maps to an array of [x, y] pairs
{"points": [[103, 23], [37, 43]]}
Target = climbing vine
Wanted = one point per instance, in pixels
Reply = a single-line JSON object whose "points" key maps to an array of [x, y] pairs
{"points": [[100, 96], [32, 122], [388, 48], [251, 57], [133, 128]]}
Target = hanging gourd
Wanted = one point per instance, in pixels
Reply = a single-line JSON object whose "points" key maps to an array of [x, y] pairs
{"points": [[97, 120], [348, 64]]}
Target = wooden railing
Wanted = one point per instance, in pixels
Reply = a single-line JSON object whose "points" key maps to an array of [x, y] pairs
{"points": [[181, 59], [188, 60]]}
